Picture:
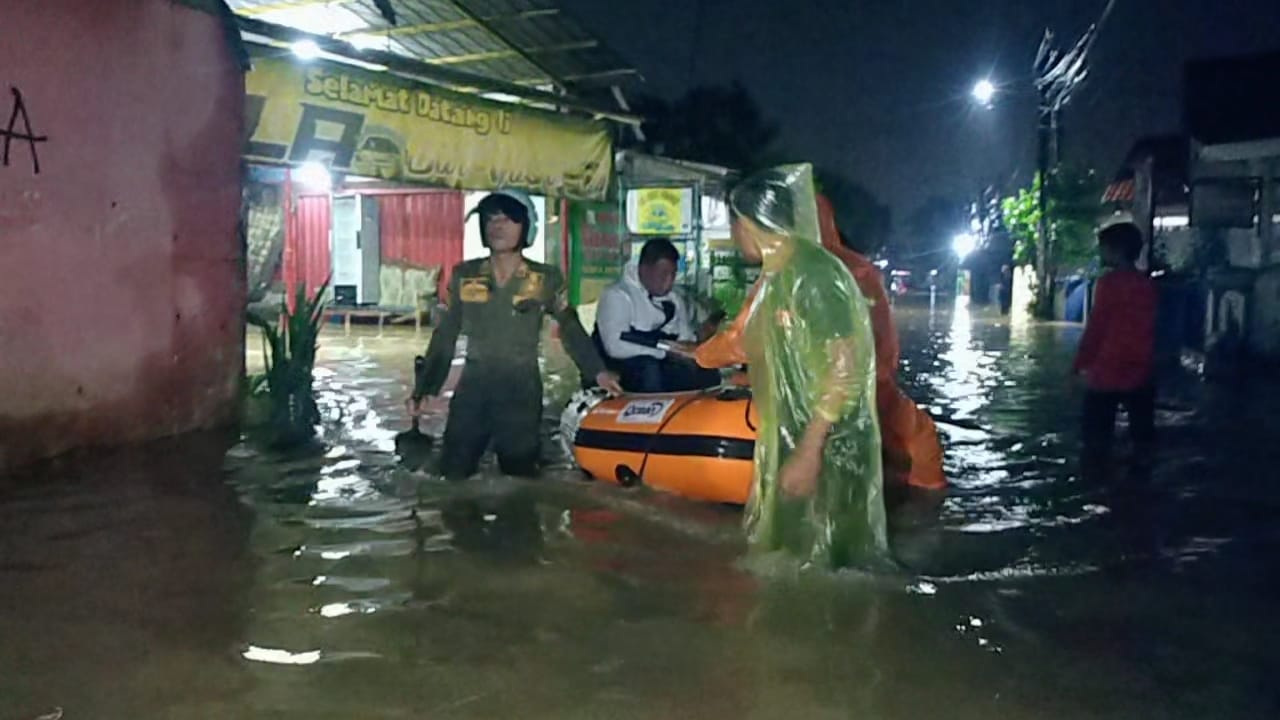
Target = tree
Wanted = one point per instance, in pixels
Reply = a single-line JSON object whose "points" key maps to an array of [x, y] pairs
{"points": [[864, 220], [1075, 206], [718, 125]]}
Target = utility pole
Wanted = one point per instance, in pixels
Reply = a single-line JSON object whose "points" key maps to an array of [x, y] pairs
{"points": [[1044, 165], [1057, 76]]}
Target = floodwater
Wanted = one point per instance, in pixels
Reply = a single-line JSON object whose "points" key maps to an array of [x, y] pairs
{"points": [[201, 579]]}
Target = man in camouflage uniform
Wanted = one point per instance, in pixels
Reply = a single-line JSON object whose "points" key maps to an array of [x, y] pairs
{"points": [[499, 302]]}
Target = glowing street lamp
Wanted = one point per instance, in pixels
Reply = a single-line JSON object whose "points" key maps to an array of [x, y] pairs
{"points": [[984, 91], [963, 245]]}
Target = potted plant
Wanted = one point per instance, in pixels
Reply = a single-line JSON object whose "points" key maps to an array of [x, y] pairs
{"points": [[281, 400]]}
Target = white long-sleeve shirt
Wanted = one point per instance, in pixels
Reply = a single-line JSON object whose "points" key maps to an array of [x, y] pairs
{"points": [[626, 304]]}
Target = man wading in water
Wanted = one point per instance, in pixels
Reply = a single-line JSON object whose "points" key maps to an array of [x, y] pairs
{"points": [[498, 302]]}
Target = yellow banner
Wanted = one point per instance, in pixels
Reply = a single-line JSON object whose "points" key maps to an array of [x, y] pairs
{"points": [[379, 125]]}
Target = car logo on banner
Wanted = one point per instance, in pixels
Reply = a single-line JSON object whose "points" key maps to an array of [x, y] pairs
{"points": [[645, 412]]}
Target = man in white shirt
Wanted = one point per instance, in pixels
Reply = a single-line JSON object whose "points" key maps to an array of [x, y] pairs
{"points": [[645, 332]]}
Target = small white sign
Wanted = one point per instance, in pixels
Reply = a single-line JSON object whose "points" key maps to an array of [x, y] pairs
{"points": [[645, 412], [716, 220]]}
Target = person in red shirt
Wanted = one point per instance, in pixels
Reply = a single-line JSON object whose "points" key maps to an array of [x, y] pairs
{"points": [[1116, 355]]}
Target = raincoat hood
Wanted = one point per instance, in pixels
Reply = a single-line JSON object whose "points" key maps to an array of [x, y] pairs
{"points": [[782, 201]]}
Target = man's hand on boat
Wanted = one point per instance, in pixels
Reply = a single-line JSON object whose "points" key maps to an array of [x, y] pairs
{"points": [[609, 381]]}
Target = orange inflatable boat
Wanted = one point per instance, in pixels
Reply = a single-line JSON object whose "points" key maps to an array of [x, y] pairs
{"points": [[698, 444]]}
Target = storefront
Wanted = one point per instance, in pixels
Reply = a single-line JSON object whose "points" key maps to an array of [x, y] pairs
{"points": [[686, 202], [658, 197], [364, 178]]}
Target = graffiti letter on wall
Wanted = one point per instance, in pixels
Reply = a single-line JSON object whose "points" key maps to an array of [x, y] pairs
{"points": [[9, 135]]}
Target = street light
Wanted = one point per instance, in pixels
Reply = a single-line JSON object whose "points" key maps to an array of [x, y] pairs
{"points": [[984, 91], [963, 245]]}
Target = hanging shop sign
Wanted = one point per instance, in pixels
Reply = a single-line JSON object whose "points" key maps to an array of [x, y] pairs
{"points": [[660, 211], [379, 125]]}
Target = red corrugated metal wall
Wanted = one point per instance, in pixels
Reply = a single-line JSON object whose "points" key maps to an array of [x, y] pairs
{"points": [[422, 229], [419, 229], [306, 246]]}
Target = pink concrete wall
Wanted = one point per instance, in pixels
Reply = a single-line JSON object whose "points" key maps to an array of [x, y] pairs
{"points": [[121, 286]]}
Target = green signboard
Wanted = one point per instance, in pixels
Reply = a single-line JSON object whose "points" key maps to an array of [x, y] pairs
{"points": [[596, 255]]}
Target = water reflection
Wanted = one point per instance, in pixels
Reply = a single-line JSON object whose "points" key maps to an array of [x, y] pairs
{"points": [[124, 583], [967, 372], [346, 584]]}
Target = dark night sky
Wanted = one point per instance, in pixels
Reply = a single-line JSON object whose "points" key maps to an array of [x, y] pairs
{"points": [[880, 88]]}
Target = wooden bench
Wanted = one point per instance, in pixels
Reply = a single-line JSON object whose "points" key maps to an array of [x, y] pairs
{"points": [[394, 316]]}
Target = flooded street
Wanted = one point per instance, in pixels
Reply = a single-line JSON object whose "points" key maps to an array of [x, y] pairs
{"points": [[202, 579]]}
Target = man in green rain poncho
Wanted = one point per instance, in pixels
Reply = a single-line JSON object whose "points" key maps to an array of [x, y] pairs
{"points": [[811, 358]]}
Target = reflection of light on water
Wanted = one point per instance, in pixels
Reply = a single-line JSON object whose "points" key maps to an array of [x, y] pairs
{"points": [[1021, 571], [351, 464], [1016, 516], [281, 657], [1197, 548], [367, 548], [352, 584], [342, 487], [973, 627], [969, 372], [922, 587], [353, 407], [366, 606], [333, 610], [394, 522], [303, 550]]}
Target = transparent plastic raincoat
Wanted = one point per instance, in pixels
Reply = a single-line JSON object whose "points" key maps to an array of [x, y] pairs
{"points": [[808, 342], [911, 453]]}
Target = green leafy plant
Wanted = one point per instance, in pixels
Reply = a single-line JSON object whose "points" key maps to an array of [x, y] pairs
{"points": [[1075, 207], [730, 292], [289, 350]]}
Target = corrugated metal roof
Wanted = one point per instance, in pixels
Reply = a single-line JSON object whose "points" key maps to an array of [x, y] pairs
{"points": [[528, 42]]}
